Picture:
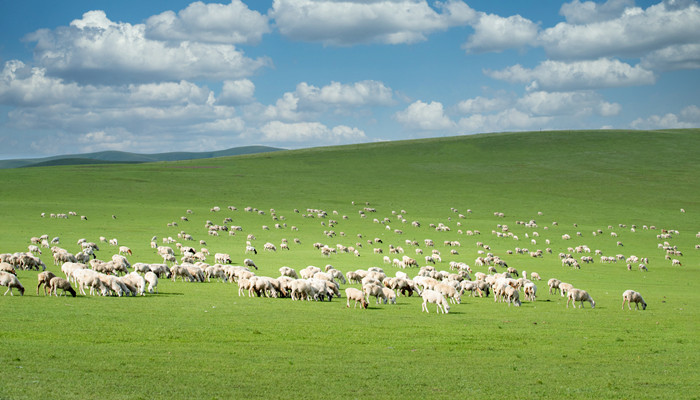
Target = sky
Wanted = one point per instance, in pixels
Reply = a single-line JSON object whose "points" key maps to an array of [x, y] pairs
{"points": [[159, 76]]}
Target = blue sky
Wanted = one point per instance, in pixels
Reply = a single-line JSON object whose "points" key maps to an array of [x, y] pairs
{"points": [[159, 76]]}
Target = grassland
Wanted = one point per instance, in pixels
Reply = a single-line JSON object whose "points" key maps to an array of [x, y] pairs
{"points": [[204, 341]]}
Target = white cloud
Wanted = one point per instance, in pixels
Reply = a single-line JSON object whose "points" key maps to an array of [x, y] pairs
{"points": [[567, 103], [506, 120], [686, 56], [587, 12], [345, 23], [364, 93], [314, 133], [689, 117], [634, 33], [237, 92], [495, 33], [563, 76], [479, 105], [231, 23], [425, 116], [95, 49]]}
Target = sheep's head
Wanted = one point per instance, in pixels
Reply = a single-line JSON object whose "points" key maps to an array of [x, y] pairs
{"points": [[644, 306], [592, 303], [365, 304]]}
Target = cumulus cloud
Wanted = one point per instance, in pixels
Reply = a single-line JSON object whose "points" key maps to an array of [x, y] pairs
{"points": [[95, 49], [689, 117], [479, 105], [232, 23], [425, 116], [237, 92], [587, 12], [634, 33], [686, 56], [495, 33], [309, 132], [506, 120], [566, 76], [358, 94], [344, 23], [567, 103]]}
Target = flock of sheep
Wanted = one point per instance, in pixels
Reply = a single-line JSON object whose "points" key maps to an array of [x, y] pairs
{"points": [[118, 277]]}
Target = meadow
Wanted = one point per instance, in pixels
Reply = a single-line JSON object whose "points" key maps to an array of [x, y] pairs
{"points": [[202, 340]]}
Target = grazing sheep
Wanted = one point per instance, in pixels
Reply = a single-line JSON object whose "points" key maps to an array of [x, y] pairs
{"points": [[564, 288], [373, 290], [390, 295], [575, 295], [135, 280], [535, 276], [431, 296], [59, 283], [249, 263], [44, 278], [530, 291], [553, 285], [152, 280], [356, 295], [512, 296], [11, 281], [290, 272], [630, 296]]}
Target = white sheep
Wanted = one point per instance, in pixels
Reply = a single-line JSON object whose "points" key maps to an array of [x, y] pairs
{"points": [[575, 295], [152, 280], [390, 295], [374, 290], [249, 263], [431, 296], [11, 281], [630, 296], [59, 283], [356, 295]]}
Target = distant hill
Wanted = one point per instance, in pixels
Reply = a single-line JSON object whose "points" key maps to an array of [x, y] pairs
{"points": [[121, 157]]}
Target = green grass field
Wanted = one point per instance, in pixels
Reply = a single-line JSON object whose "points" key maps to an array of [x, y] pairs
{"points": [[201, 340]]}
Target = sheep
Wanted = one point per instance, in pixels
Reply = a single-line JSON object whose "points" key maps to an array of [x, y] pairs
{"points": [[553, 285], [44, 278], [374, 290], [249, 263], [11, 281], [530, 291], [152, 280], [630, 296], [222, 258], [124, 250], [512, 296], [564, 288], [302, 290], [290, 272], [182, 272], [59, 283], [575, 295], [450, 292], [535, 276], [390, 295], [356, 295], [89, 278], [431, 296], [136, 280]]}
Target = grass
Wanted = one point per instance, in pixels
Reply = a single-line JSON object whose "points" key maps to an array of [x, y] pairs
{"points": [[204, 341]]}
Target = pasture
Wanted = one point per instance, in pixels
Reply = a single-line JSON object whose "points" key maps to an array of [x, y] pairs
{"points": [[203, 340]]}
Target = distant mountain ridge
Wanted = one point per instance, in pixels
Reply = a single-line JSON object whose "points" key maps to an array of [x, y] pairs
{"points": [[121, 157]]}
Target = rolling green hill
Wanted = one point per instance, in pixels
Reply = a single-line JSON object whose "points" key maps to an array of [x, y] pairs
{"points": [[105, 157], [203, 340]]}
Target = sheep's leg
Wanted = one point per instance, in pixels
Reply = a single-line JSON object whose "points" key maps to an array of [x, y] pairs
{"points": [[8, 290]]}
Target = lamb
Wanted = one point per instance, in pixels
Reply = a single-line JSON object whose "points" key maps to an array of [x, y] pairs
{"points": [[431, 296], [11, 281], [390, 295], [152, 280], [59, 283], [575, 295], [124, 250], [356, 295], [44, 278], [630, 296], [535, 276]]}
